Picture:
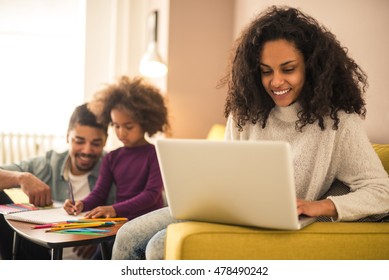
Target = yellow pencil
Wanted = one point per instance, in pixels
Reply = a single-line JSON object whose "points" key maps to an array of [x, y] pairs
{"points": [[104, 219]]}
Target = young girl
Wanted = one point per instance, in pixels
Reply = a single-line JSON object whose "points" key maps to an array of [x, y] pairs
{"points": [[133, 108], [291, 80]]}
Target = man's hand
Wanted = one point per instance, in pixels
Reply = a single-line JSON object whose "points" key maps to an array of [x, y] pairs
{"points": [[38, 192]]}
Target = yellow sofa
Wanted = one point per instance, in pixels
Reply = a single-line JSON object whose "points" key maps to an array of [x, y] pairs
{"points": [[321, 240]]}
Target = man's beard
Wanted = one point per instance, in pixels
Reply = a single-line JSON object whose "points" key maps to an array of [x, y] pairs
{"points": [[82, 167]]}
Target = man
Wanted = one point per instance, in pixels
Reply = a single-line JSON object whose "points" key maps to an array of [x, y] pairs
{"points": [[46, 178]]}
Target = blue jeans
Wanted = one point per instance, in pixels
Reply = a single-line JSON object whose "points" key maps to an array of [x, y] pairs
{"points": [[143, 237]]}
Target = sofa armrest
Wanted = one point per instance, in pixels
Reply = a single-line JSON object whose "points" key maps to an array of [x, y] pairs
{"points": [[322, 241]]}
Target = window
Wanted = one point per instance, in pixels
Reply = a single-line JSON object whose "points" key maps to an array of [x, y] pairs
{"points": [[41, 64]]}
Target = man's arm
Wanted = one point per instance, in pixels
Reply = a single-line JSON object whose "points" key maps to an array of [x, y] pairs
{"points": [[38, 192]]}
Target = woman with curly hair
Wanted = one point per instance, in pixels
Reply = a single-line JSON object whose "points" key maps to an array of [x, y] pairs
{"points": [[134, 109], [291, 80]]}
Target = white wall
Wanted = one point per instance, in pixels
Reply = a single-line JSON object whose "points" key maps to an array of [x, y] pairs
{"points": [[100, 39], [361, 26]]}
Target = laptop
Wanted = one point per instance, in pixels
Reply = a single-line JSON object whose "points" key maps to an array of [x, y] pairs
{"points": [[247, 183]]}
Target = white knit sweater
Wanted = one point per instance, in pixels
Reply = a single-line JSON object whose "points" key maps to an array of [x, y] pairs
{"points": [[321, 156]]}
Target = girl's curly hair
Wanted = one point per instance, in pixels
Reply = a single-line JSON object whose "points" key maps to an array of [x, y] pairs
{"points": [[142, 100], [333, 81]]}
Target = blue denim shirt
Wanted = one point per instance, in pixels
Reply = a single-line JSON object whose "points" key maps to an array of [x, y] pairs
{"points": [[51, 170]]}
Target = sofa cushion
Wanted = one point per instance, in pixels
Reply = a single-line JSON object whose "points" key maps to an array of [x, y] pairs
{"points": [[383, 153], [320, 241]]}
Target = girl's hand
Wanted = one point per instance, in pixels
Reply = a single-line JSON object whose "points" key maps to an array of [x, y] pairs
{"points": [[323, 207], [101, 211], [72, 209]]}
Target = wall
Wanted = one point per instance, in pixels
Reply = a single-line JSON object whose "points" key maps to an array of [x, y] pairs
{"points": [[100, 37], [359, 25], [200, 36]]}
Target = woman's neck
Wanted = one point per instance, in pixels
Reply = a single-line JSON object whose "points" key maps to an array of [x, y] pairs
{"points": [[287, 114]]}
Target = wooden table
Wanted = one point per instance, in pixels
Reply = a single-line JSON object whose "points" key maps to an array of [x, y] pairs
{"points": [[56, 242]]}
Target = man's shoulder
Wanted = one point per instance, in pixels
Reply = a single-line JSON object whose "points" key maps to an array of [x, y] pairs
{"points": [[48, 158], [55, 155]]}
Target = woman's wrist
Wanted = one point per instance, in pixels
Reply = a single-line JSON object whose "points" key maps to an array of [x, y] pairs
{"points": [[329, 208]]}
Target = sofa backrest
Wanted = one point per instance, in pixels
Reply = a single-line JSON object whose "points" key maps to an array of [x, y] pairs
{"points": [[383, 153]]}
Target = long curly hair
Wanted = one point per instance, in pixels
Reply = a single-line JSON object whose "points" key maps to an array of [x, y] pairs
{"points": [[144, 102], [333, 81]]}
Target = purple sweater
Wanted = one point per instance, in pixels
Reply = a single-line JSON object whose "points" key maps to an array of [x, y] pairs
{"points": [[136, 174]]}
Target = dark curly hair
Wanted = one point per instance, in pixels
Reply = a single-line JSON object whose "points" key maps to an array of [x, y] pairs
{"points": [[82, 116], [333, 80], [141, 99]]}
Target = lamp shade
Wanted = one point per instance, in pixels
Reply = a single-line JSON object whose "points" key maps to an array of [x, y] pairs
{"points": [[151, 64]]}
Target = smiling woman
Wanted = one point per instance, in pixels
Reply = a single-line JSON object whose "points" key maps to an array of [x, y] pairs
{"points": [[283, 71], [41, 64]]}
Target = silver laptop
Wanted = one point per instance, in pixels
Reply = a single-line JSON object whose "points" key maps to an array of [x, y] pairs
{"points": [[248, 183]]}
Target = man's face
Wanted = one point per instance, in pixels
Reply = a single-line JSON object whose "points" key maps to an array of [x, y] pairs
{"points": [[86, 145]]}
